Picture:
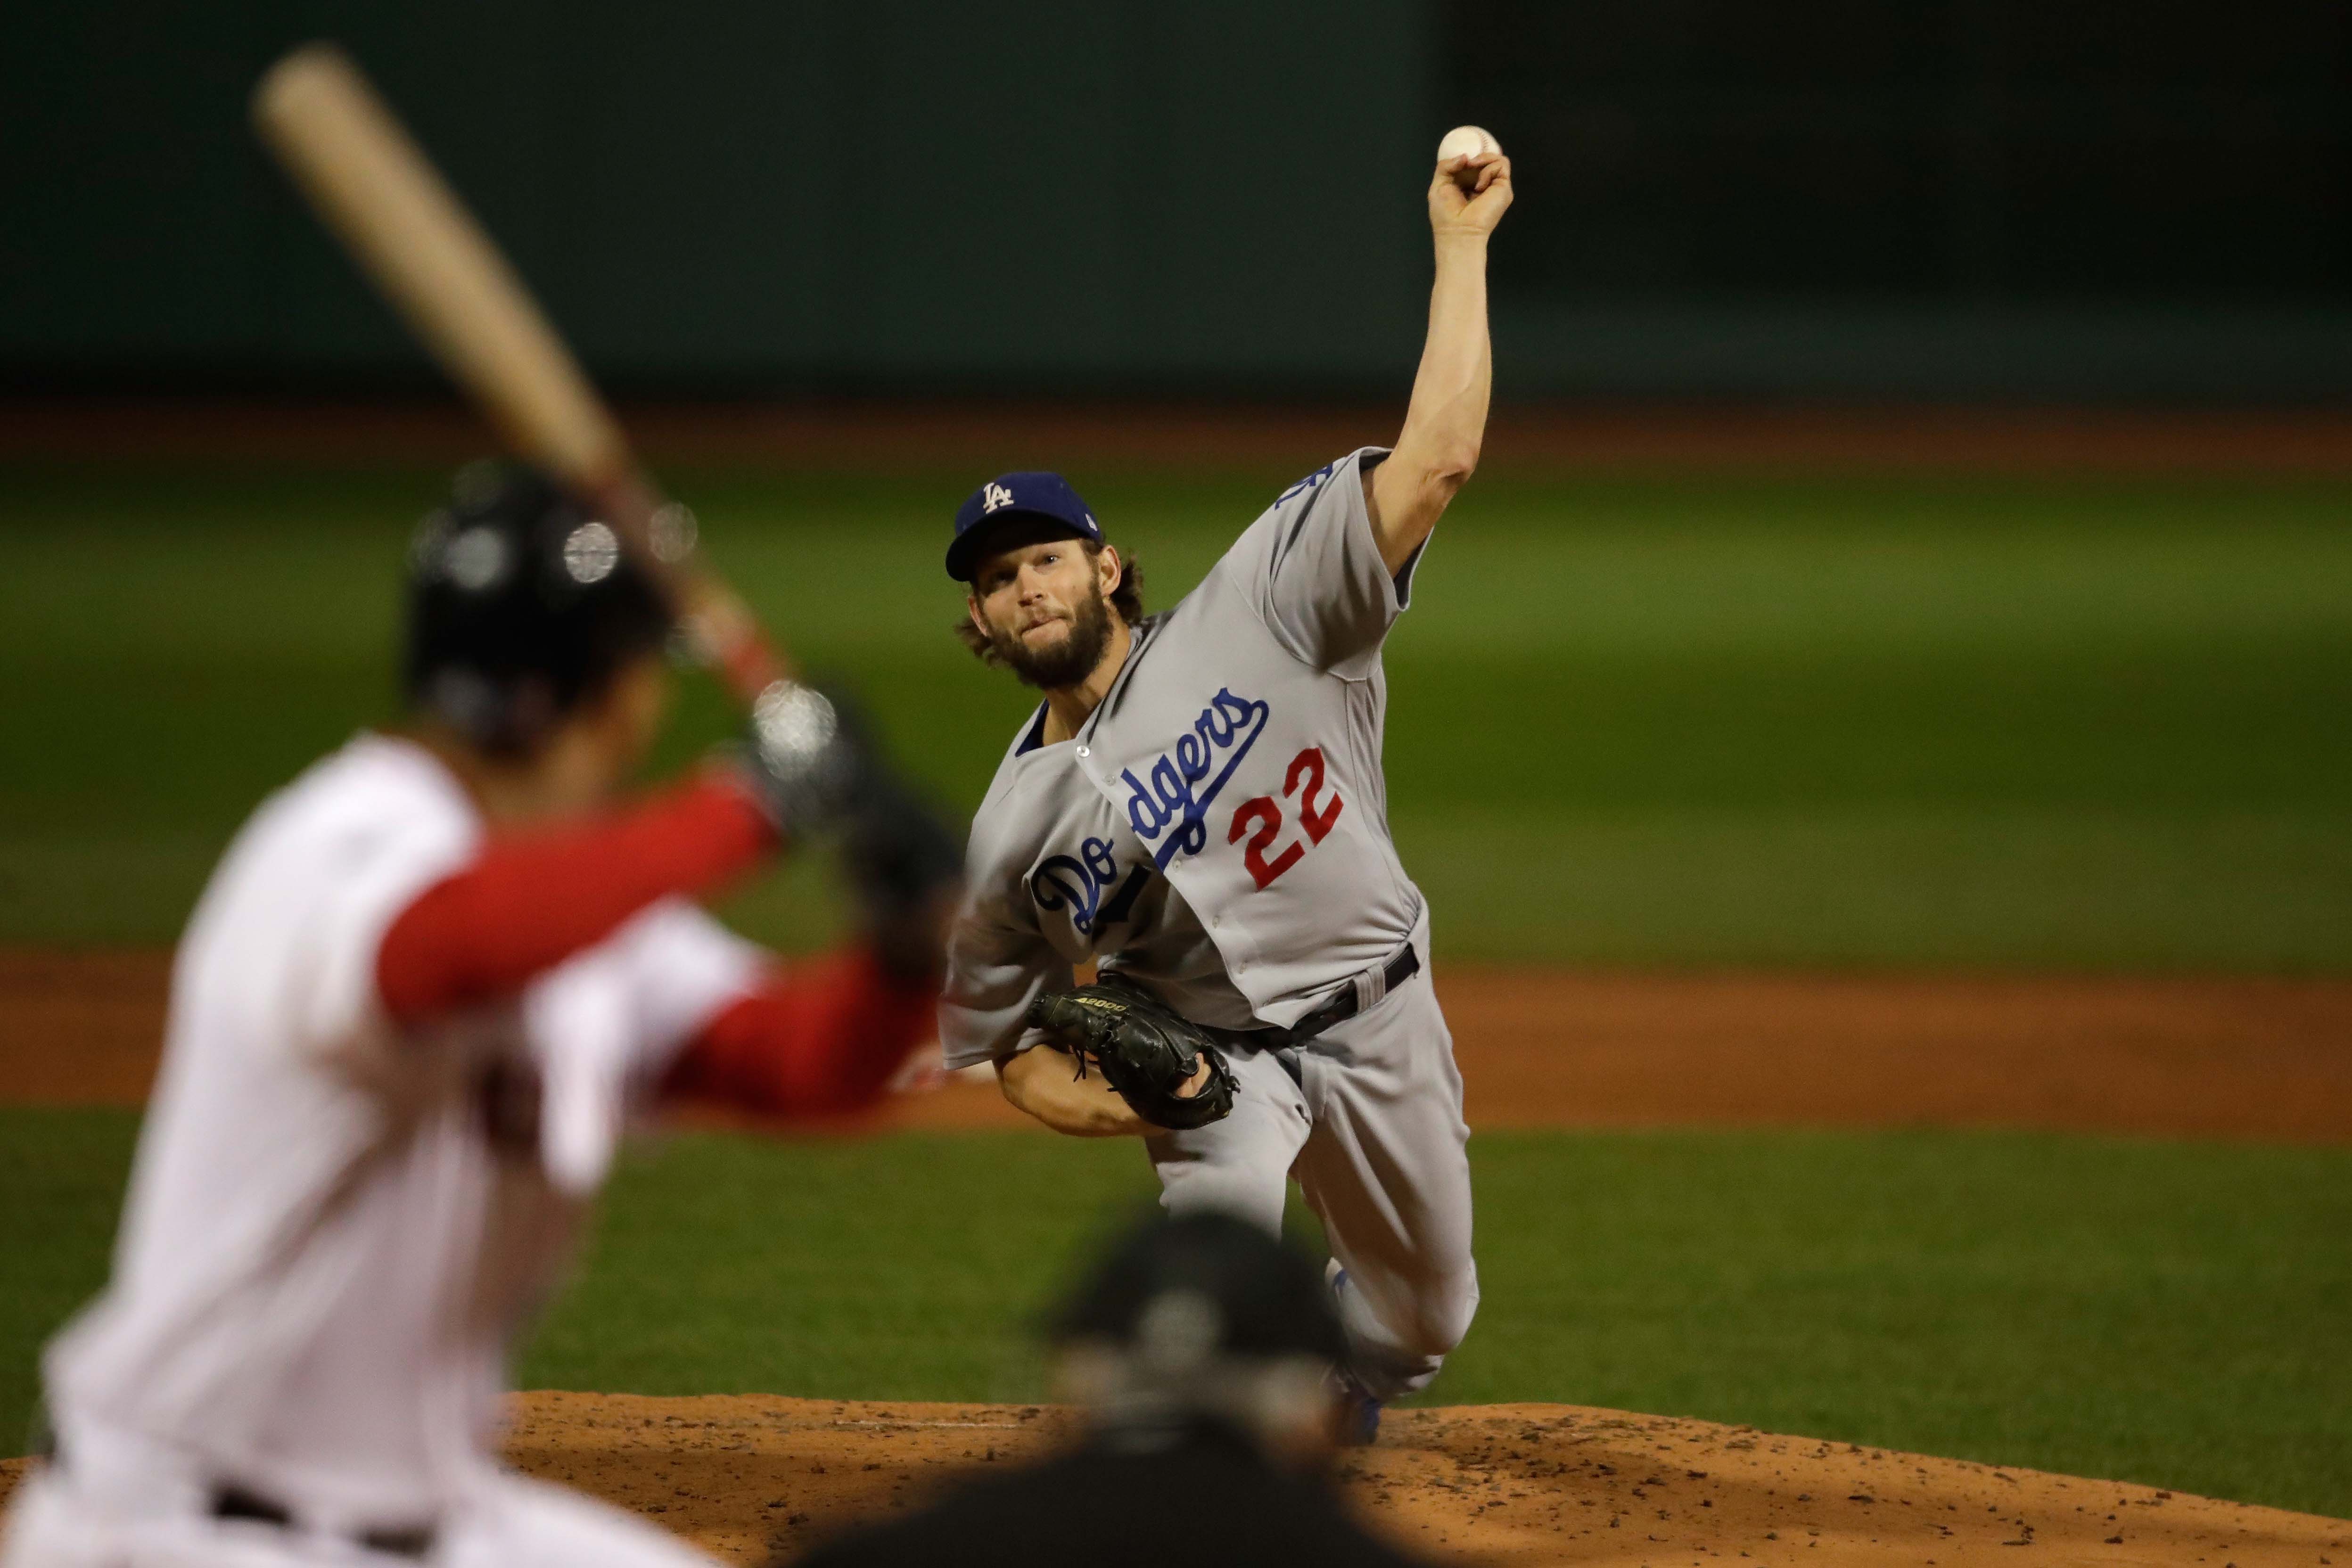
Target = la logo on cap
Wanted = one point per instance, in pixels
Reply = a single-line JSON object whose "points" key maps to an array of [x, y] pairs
{"points": [[994, 495]]}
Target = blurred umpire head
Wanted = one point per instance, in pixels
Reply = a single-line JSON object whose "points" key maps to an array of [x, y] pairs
{"points": [[534, 639], [1203, 1315], [1201, 1352]]}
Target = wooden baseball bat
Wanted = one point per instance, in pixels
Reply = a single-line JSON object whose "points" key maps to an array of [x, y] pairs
{"points": [[373, 187]]}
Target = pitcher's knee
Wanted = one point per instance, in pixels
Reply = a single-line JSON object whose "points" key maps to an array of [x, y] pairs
{"points": [[1224, 1189], [1441, 1313]]}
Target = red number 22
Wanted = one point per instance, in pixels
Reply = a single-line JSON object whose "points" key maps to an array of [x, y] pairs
{"points": [[1269, 816], [1317, 819]]}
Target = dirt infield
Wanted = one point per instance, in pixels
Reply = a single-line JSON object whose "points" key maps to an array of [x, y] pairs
{"points": [[754, 1477], [2196, 1057]]}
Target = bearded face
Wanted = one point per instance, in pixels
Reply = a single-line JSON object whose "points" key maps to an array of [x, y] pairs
{"points": [[1030, 649]]}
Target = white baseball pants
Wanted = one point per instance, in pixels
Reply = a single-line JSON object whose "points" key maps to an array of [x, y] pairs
{"points": [[509, 1522]]}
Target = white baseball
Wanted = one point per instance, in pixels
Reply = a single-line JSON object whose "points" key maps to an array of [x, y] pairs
{"points": [[1467, 142]]}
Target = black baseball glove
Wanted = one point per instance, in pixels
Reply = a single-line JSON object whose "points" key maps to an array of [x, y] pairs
{"points": [[1146, 1050]]}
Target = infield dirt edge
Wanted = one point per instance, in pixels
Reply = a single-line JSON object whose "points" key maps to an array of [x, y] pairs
{"points": [[752, 1478], [2184, 1056]]}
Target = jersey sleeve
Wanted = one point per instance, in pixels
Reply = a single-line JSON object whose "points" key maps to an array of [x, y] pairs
{"points": [[1313, 570], [997, 964], [417, 916], [820, 1037], [529, 900], [603, 1024], [683, 969], [367, 875]]}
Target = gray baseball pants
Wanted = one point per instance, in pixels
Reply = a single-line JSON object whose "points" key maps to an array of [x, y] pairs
{"points": [[1367, 1117]]}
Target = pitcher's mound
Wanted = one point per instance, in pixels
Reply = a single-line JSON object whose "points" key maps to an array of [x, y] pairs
{"points": [[755, 1476]]}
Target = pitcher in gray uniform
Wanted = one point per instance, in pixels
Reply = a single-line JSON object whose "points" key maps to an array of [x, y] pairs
{"points": [[1198, 807]]}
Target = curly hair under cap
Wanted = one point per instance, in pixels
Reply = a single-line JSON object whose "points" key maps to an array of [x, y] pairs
{"points": [[1125, 599]]}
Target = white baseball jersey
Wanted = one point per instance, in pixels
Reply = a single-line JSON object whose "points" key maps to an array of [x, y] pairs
{"points": [[1218, 828], [335, 1226]]}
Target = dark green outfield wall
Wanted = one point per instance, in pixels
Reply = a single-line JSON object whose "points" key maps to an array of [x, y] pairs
{"points": [[873, 190], [1938, 199]]}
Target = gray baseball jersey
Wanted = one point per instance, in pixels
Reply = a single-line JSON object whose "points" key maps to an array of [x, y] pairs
{"points": [[1219, 827]]}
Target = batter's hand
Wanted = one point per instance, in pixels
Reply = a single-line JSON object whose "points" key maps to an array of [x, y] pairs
{"points": [[1474, 211]]}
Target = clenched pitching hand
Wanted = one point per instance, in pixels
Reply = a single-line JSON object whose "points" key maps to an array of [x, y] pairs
{"points": [[1469, 194]]}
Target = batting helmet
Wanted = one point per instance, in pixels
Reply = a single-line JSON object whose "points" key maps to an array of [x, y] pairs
{"points": [[522, 606]]}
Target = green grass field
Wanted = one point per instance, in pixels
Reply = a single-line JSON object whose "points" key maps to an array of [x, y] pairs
{"points": [[2015, 725], [1708, 721], [2162, 1312]]}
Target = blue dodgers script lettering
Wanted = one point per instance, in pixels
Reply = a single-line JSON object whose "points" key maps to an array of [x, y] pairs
{"points": [[1170, 813], [1075, 883]]}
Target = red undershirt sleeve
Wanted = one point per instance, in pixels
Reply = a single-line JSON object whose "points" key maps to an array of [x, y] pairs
{"points": [[530, 901], [820, 1039]]}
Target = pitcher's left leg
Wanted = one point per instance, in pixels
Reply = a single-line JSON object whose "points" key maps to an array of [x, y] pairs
{"points": [[1240, 1166], [1386, 1168]]}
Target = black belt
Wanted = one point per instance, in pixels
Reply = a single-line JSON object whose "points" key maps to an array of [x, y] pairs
{"points": [[414, 1540], [1351, 999], [231, 1502]]}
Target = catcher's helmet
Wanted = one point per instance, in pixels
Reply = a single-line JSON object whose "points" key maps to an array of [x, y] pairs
{"points": [[1240, 1291], [521, 606]]}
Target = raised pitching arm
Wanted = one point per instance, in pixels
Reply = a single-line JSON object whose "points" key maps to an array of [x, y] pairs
{"points": [[1446, 420]]}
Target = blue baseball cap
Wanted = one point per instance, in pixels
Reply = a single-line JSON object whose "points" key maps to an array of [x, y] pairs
{"points": [[1009, 495]]}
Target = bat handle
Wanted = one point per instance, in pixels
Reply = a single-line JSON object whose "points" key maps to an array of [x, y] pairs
{"points": [[728, 638]]}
